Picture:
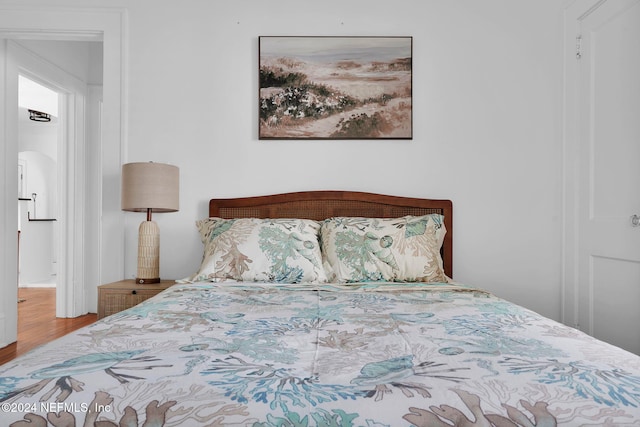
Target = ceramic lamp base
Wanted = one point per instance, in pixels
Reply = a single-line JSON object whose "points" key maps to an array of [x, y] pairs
{"points": [[148, 253]]}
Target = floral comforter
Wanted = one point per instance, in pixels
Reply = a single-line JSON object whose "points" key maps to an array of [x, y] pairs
{"points": [[238, 354]]}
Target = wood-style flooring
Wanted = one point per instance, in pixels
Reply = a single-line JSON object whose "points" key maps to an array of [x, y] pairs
{"points": [[37, 322]]}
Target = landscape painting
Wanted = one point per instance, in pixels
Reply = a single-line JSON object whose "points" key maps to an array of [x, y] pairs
{"points": [[335, 87]]}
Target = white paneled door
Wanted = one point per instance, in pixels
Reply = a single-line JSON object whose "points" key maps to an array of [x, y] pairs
{"points": [[608, 175]]}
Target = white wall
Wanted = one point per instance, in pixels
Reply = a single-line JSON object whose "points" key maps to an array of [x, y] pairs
{"points": [[40, 177], [38, 136], [37, 256], [487, 103]]}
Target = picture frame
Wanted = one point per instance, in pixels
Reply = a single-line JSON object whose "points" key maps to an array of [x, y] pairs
{"points": [[333, 87]]}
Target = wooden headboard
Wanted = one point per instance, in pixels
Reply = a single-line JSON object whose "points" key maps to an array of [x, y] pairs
{"points": [[319, 205]]}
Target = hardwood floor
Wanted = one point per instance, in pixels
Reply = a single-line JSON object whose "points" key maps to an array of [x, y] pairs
{"points": [[37, 322]]}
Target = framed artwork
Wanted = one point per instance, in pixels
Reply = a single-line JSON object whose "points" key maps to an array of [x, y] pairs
{"points": [[335, 87]]}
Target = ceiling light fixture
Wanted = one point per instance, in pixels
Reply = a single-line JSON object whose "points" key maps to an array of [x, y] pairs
{"points": [[39, 116]]}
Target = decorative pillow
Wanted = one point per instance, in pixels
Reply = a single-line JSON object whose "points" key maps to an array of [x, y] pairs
{"points": [[372, 249], [260, 250]]}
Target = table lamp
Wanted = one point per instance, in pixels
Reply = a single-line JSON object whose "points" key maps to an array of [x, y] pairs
{"points": [[149, 187]]}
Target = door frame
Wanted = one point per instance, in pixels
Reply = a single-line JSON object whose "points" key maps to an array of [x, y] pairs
{"points": [[573, 15], [100, 199]]}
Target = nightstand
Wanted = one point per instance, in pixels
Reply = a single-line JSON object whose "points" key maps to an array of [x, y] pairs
{"points": [[118, 296]]}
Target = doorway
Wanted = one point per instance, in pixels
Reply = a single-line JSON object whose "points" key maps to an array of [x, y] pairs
{"points": [[94, 234], [57, 212], [38, 141]]}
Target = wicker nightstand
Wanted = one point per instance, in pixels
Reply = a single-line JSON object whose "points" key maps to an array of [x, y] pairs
{"points": [[118, 296]]}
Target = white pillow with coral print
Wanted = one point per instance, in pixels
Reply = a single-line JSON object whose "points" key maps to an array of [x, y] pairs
{"points": [[403, 249], [260, 250]]}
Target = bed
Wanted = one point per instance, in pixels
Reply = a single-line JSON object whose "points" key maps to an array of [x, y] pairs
{"points": [[324, 308]]}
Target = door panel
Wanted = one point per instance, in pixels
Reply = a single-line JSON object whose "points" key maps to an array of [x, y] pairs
{"points": [[615, 84], [609, 173]]}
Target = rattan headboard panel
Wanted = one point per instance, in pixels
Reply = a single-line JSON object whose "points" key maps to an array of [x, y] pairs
{"points": [[319, 205]]}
